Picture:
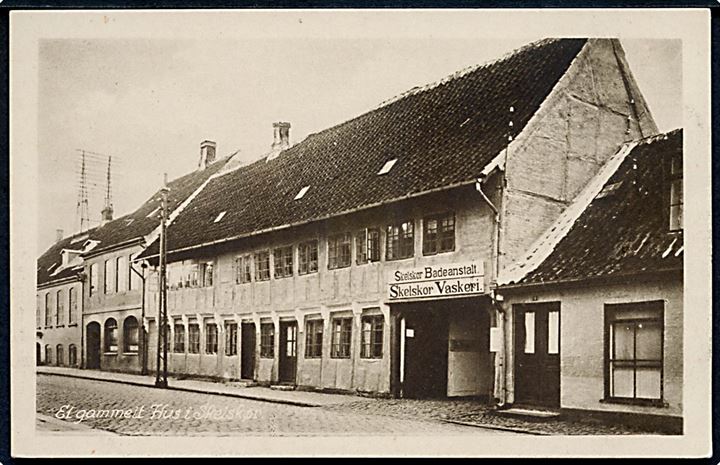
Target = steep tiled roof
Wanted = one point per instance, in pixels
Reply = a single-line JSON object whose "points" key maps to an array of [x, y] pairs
{"points": [[624, 230], [441, 135], [131, 226]]}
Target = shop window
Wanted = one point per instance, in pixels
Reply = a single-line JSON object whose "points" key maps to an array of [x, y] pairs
{"points": [[72, 355], [48, 311], [634, 348], [267, 340], [262, 266], [179, 338], [48, 354], [439, 234], [308, 257], [59, 355], [313, 338], [211, 338], [243, 269], [193, 338], [339, 251], [341, 337], [367, 246], [130, 335], [111, 335], [72, 306], [231, 335], [93, 279], [283, 258], [400, 241], [59, 309], [676, 193], [372, 336]]}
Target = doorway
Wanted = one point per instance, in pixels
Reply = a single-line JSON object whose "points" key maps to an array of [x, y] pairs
{"points": [[247, 350], [38, 356], [537, 354], [92, 337], [426, 354], [288, 351]]}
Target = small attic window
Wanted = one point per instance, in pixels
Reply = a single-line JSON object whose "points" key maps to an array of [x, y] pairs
{"points": [[129, 222], [79, 238], [609, 190], [152, 213], [52, 267], [302, 193], [387, 166], [220, 216]]}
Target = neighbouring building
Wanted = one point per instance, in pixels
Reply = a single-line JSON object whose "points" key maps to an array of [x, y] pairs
{"points": [[594, 312], [363, 258]]}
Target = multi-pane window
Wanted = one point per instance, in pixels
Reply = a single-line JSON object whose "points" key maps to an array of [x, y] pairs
{"points": [[341, 337], [206, 274], [634, 338], [267, 340], [60, 360], [48, 310], [59, 308], [372, 336], [439, 234], [676, 193], [400, 241], [308, 257], [179, 338], [131, 335], [72, 355], [211, 338], [194, 338], [283, 258], [231, 335], [262, 266], [191, 275], [243, 269], [48, 354], [111, 335], [367, 246], [93, 279], [313, 338], [339, 250], [107, 277], [72, 306]]}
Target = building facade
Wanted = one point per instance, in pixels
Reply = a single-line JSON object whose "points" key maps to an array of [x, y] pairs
{"points": [[594, 316], [364, 257]]}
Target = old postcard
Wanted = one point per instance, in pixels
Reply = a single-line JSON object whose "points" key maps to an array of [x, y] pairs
{"points": [[359, 232]]}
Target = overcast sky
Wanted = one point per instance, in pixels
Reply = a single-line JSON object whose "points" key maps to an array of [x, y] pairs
{"points": [[149, 103]]}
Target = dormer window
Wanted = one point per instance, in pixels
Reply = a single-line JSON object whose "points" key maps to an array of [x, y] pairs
{"points": [[302, 193], [676, 193], [220, 217]]}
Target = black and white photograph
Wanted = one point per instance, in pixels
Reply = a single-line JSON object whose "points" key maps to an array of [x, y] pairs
{"points": [[360, 232]]}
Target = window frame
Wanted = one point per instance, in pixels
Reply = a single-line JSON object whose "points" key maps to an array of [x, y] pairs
{"points": [[72, 306], [106, 275], [59, 308], [211, 338], [307, 264], [314, 338], [193, 342], [337, 260], [59, 355], [611, 318], [369, 338], [231, 338], [440, 236], [363, 253], [243, 269], [341, 341], [110, 328], [48, 311], [94, 279], [267, 340], [178, 337], [405, 247], [72, 355], [261, 273], [131, 343], [283, 262], [205, 273]]}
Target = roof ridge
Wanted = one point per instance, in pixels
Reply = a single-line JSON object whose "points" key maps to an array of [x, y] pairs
{"points": [[546, 243]]}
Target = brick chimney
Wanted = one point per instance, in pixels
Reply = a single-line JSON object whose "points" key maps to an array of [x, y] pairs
{"points": [[207, 153], [281, 139], [59, 234], [107, 214]]}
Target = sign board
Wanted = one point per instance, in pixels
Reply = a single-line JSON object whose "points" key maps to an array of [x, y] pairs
{"points": [[495, 339], [409, 332], [436, 281]]}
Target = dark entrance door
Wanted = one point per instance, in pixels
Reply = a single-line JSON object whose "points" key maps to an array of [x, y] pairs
{"points": [[92, 352], [38, 357], [426, 354], [247, 350], [537, 354], [288, 351]]}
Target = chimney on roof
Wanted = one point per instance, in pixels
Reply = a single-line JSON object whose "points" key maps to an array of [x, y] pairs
{"points": [[59, 233], [281, 139], [207, 153], [107, 214]]}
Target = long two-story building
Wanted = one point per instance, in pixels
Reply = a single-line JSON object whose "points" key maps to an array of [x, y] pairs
{"points": [[363, 257]]}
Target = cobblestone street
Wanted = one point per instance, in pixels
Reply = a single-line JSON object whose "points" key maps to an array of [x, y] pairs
{"points": [[155, 411]]}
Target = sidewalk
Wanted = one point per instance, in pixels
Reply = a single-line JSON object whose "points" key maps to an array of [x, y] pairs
{"points": [[260, 393]]}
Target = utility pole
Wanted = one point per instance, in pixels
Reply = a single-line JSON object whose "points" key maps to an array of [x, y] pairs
{"points": [[161, 371]]}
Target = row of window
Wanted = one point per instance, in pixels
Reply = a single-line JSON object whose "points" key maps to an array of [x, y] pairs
{"points": [[438, 237], [118, 276], [131, 335], [59, 358], [55, 314], [341, 337]]}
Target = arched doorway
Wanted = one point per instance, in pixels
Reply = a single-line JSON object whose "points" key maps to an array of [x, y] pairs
{"points": [[92, 336]]}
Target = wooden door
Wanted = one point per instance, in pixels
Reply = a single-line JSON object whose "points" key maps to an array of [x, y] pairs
{"points": [[537, 354], [247, 350], [288, 351]]}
